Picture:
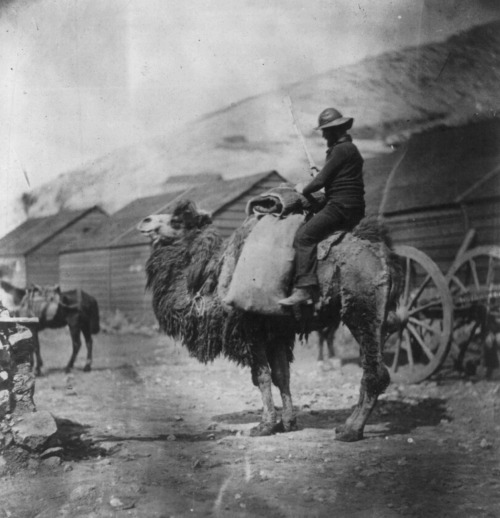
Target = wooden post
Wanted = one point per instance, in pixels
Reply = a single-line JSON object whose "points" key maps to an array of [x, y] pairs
{"points": [[469, 237]]}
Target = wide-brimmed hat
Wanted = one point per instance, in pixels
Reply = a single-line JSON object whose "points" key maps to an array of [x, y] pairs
{"points": [[331, 117]]}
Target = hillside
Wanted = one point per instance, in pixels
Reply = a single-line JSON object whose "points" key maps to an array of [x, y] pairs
{"points": [[390, 97]]}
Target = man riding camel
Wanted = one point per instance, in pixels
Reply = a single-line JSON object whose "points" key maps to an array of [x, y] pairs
{"points": [[342, 180]]}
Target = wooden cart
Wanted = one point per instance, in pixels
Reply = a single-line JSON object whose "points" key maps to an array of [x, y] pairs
{"points": [[444, 318]]}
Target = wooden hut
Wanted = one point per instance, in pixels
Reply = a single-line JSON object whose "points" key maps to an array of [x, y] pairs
{"points": [[445, 182], [29, 253], [110, 263]]}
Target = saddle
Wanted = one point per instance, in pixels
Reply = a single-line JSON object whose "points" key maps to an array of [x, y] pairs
{"points": [[262, 272], [284, 200]]}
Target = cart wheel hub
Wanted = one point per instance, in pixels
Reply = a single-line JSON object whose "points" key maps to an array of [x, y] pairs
{"points": [[402, 316]]}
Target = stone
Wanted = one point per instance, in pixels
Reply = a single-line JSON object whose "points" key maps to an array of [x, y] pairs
{"points": [[122, 502], [3, 466], [35, 430], [57, 451], [110, 447], [23, 389], [33, 464], [5, 359], [485, 445], [22, 333], [4, 403], [52, 462], [81, 492]]}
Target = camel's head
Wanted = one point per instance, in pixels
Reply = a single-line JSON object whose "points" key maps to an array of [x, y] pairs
{"points": [[165, 228]]}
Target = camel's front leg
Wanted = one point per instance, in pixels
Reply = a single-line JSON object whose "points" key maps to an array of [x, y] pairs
{"points": [[261, 377], [280, 373]]}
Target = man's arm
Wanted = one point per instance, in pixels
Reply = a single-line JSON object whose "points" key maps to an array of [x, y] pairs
{"points": [[329, 171]]}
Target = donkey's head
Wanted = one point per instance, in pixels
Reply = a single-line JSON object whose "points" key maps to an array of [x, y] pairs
{"points": [[41, 301], [165, 228]]}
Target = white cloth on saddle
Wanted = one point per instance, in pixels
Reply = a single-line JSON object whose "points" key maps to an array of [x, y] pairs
{"points": [[264, 270]]}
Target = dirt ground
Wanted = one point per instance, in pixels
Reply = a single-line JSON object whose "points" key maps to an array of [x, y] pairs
{"points": [[152, 433]]}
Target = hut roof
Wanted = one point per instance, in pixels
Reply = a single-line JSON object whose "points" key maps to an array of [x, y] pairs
{"points": [[191, 179], [122, 221], [447, 166], [120, 230], [36, 231]]}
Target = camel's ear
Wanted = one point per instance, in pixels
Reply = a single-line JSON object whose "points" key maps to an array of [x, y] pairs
{"points": [[204, 218], [186, 211], [57, 289]]}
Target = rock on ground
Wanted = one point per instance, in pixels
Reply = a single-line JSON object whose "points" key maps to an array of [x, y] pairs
{"points": [[35, 430]]}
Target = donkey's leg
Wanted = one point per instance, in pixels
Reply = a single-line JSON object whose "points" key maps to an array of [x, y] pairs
{"points": [[37, 361], [330, 337], [280, 374], [77, 343], [261, 378], [321, 343], [38, 355], [89, 343]]}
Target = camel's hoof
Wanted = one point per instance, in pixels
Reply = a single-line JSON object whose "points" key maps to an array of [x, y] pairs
{"points": [[348, 435], [283, 427], [263, 430], [87, 368]]}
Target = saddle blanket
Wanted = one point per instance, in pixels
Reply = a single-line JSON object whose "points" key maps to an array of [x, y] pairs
{"points": [[263, 273]]}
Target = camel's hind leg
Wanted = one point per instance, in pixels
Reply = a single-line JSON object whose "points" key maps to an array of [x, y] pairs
{"points": [[364, 311]]}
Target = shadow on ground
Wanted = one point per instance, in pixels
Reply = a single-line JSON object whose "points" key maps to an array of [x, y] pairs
{"points": [[76, 443], [398, 417], [179, 437]]}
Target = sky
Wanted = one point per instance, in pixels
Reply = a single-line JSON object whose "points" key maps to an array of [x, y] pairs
{"points": [[80, 78]]}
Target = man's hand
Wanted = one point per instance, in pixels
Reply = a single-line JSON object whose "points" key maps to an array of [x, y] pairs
{"points": [[299, 188]]}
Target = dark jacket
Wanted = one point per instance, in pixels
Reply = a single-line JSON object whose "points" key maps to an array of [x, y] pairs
{"points": [[341, 176]]}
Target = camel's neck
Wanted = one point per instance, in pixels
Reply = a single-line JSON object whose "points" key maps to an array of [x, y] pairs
{"points": [[184, 265]]}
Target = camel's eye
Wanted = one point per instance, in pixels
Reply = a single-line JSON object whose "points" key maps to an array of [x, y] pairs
{"points": [[175, 223]]}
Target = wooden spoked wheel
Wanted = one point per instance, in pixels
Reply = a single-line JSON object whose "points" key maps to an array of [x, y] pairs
{"points": [[474, 282], [419, 331]]}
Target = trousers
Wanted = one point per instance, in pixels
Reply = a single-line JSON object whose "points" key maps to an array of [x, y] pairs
{"points": [[329, 219]]}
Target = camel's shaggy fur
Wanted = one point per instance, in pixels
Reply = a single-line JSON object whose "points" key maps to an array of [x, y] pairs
{"points": [[185, 272], [183, 276]]}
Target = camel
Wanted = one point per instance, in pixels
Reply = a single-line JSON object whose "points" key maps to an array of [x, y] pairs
{"points": [[359, 286]]}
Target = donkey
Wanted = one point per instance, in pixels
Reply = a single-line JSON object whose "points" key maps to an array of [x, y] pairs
{"points": [[55, 309]]}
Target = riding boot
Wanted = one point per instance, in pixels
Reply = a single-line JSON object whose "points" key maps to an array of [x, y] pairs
{"points": [[299, 296]]}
